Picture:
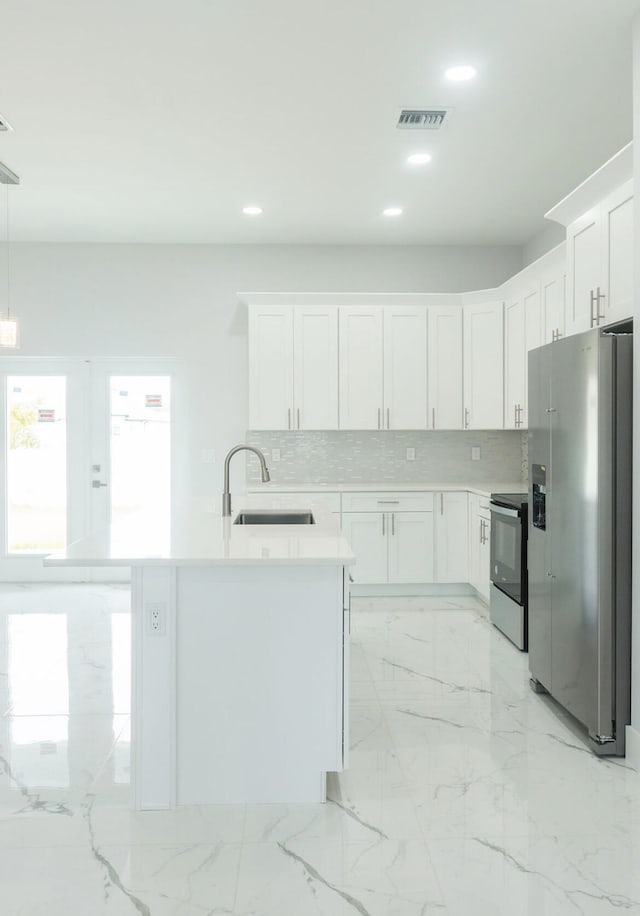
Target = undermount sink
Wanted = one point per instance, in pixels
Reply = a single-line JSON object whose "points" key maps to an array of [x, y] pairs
{"points": [[273, 517]]}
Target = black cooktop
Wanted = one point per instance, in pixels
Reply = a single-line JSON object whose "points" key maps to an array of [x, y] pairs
{"points": [[510, 500]]}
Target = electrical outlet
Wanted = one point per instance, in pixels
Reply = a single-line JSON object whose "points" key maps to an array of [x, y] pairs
{"points": [[475, 453], [156, 614], [275, 454], [411, 454]]}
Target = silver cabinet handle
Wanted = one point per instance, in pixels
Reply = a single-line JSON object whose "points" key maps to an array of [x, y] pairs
{"points": [[481, 530], [466, 418], [515, 411], [433, 417], [298, 411], [388, 421], [97, 483], [383, 529], [599, 296], [289, 417], [393, 523], [388, 502], [442, 504], [553, 335], [592, 300], [558, 334], [378, 418]]}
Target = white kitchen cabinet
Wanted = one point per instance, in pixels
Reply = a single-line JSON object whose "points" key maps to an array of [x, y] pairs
{"points": [[410, 538], [483, 366], [405, 367], [392, 536], [361, 364], [479, 544], [383, 367], [271, 367], [451, 537], [293, 367], [552, 291], [522, 332], [366, 533], [600, 263], [445, 390]]}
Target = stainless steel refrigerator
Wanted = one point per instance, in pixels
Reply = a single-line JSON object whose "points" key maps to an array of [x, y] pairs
{"points": [[580, 430]]}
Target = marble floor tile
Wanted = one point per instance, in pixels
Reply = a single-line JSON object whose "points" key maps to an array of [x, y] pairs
{"points": [[466, 794]]}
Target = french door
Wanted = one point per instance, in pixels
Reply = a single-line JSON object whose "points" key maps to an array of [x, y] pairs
{"points": [[86, 448]]}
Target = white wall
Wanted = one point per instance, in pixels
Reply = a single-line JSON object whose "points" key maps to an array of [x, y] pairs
{"points": [[179, 301], [552, 235]]}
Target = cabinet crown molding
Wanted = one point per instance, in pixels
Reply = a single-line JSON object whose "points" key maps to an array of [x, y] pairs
{"points": [[610, 176]]}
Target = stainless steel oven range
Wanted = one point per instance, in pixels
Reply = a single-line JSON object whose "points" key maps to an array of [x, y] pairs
{"points": [[508, 602]]}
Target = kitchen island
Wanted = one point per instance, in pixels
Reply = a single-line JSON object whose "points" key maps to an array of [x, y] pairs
{"points": [[240, 656]]}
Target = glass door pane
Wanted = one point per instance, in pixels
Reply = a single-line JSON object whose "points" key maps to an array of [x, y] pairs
{"points": [[140, 461], [36, 463]]}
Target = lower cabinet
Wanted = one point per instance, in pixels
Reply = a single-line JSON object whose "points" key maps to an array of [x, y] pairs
{"points": [[390, 546], [452, 541], [479, 544]]}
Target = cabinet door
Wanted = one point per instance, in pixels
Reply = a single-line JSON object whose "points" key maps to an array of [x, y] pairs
{"points": [[411, 546], [452, 537], [514, 362], [315, 350], [475, 537], [366, 532], [271, 368], [553, 323], [617, 255], [484, 561], [445, 367], [360, 367], [483, 366], [583, 270], [405, 368]]}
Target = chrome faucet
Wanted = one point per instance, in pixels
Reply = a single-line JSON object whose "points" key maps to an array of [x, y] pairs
{"points": [[264, 473]]}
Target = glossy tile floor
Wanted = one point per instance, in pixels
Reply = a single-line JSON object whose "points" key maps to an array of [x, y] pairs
{"points": [[467, 794]]}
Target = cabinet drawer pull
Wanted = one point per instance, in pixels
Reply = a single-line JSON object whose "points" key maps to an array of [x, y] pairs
{"points": [[466, 418], [388, 502]]}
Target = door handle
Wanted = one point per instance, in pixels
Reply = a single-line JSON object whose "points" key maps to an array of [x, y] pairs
{"points": [[378, 418], [442, 504], [298, 418], [383, 528], [388, 420], [433, 417], [592, 300], [599, 296], [98, 483], [393, 523], [466, 418], [289, 417]]}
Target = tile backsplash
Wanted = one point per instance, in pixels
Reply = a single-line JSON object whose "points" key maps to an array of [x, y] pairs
{"points": [[371, 457]]}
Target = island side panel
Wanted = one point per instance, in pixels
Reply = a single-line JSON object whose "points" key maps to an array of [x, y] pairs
{"points": [[259, 683], [153, 606]]}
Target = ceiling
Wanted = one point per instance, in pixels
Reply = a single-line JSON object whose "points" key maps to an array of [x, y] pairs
{"points": [[158, 120]]}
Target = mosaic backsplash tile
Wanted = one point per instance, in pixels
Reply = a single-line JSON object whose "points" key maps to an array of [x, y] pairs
{"points": [[375, 457]]}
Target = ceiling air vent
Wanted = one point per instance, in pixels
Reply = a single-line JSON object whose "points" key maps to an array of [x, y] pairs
{"points": [[422, 118], [4, 124]]}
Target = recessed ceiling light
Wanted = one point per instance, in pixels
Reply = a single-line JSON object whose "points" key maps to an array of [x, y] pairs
{"points": [[392, 211], [460, 73], [419, 159], [252, 211]]}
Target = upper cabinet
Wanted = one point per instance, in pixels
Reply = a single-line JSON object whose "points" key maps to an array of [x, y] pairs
{"points": [[383, 367], [600, 263], [598, 216], [445, 388], [361, 379], [483, 366], [293, 367]]}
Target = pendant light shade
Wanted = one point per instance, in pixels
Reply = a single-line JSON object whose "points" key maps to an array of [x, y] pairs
{"points": [[9, 337]]}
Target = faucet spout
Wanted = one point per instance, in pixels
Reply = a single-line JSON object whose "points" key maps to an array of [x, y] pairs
{"points": [[264, 473]]}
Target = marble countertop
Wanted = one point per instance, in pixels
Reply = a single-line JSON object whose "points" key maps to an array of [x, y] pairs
{"points": [[484, 489], [206, 539]]}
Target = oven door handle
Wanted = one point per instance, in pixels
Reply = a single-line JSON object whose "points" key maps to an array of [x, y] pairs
{"points": [[502, 510]]}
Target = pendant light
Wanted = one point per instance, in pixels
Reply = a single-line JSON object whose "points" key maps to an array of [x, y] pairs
{"points": [[8, 325]]}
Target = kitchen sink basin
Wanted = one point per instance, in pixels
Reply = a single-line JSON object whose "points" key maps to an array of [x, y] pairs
{"points": [[273, 517]]}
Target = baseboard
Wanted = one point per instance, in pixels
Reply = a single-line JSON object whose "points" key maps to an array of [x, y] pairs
{"points": [[632, 749], [411, 591]]}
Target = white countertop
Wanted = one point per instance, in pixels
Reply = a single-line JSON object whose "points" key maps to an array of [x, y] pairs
{"points": [[484, 489], [207, 539]]}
